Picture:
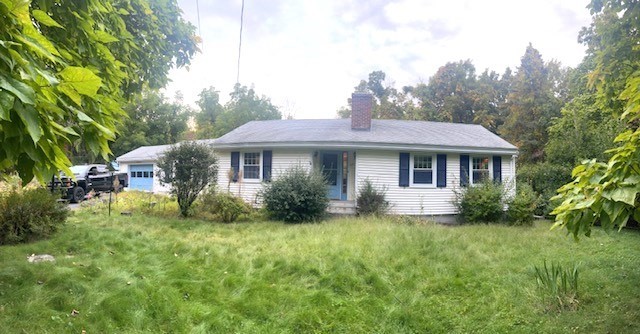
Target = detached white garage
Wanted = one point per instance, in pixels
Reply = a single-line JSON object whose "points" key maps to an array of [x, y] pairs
{"points": [[140, 165]]}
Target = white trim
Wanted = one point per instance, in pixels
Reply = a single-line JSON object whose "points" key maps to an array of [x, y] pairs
{"points": [[490, 158], [434, 170], [243, 164]]}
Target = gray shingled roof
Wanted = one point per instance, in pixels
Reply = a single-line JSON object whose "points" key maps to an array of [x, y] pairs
{"points": [[383, 133], [150, 153]]}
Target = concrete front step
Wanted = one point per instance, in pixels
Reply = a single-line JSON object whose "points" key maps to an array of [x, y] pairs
{"points": [[342, 207]]}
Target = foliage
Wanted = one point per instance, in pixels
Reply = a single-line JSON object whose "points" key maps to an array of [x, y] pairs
{"points": [[608, 192], [210, 109], [582, 132], [224, 205], [558, 286], [522, 206], [371, 201], [30, 214], [65, 68], [297, 196], [545, 178], [245, 106], [188, 167], [152, 120], [532, 105], [481, 203]]}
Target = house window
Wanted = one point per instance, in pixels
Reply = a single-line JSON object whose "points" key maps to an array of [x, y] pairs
{"points": [[251, 165], [422, 169], [480, 169]]}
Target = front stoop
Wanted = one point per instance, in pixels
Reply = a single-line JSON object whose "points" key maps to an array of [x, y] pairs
{"points": [[342, 207]]}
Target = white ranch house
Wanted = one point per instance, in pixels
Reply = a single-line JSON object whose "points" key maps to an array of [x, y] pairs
{"points": [[420, 164]]}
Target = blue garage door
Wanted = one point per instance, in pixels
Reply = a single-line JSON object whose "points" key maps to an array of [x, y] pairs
{"points": [[141, 177]]}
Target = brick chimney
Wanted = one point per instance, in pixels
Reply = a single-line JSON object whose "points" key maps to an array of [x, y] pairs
{"points": [[361, 104]]}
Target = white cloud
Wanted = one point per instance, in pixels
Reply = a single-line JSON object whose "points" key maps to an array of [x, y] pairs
{"points": [[308, 55]]}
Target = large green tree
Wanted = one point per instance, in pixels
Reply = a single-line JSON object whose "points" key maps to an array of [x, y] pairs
{"points": [[607, 192], [66, 67], [532, 104], [210, 109], [152, 120], [245, 106]]}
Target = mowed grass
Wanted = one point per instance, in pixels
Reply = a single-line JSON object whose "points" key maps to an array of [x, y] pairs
{"points": [[145, 274]]}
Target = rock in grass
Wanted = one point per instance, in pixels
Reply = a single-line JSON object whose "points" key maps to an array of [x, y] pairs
{"points": [[126, 213], [41, 258]]}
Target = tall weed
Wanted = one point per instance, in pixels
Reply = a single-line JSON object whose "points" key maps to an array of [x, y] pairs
{"points": [[558, 286]]}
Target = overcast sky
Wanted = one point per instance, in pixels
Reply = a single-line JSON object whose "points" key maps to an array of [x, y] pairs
{"points": [[307, 56]]}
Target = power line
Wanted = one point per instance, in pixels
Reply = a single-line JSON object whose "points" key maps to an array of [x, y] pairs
{"points": [[240, 43], [199, 28]]}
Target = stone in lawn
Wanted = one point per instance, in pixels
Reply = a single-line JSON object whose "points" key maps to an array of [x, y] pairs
{"points": [[41, 258]]}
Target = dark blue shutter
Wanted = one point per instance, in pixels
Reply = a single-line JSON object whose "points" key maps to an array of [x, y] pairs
{"points": [[404, 170], [235, 165], [266, 166], [497, 169], [464, 170], [442, 171]]}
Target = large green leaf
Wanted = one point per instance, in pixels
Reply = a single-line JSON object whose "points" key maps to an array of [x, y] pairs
{"points": [[624, 194], [82, 80], [104, 37], [29, 116], [6, 103], [21, 90], [45, 19]]}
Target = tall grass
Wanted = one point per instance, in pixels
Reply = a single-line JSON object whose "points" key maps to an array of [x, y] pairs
{"points": [[138, 274]]}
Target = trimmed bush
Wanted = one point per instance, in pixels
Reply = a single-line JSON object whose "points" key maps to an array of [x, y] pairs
{"points": [[522, 206], [225, 206], [371, 201], [297, 196], [480, 203], [29, 215]]}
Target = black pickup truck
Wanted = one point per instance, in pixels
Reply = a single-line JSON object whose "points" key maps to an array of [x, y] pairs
{"points": [[86, 178]]}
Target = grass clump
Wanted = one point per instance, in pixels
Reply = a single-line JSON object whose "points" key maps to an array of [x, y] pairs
{"points": [[371, 201], [29, 214], [558, 286], [297, 196]]}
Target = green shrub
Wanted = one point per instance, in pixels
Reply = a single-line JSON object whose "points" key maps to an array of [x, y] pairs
{"points": [[225, 206], [188, 167], [371, 201], [545, 178], [297, 196], [558, 286], [481, 203], [522, 206], [29, 215]]}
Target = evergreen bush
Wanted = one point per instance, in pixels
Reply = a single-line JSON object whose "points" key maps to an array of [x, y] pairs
{"points": [[29, 215], [297, 196]]}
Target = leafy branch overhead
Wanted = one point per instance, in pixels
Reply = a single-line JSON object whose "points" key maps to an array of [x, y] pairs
{"points": [[608, 192], [67, 67]]}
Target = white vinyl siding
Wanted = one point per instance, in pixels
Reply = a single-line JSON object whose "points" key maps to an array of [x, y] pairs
{"points": [[249, 191], [382, 169]]}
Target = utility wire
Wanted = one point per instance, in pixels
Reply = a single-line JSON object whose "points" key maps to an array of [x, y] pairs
{"points": [[199, 28], [240, 43]]}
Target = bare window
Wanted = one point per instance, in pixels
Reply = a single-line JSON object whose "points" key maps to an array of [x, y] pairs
{"points": [[480, 169]]}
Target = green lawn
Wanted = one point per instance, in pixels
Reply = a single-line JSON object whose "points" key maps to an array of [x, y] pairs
{"points": [[144, 274]]}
